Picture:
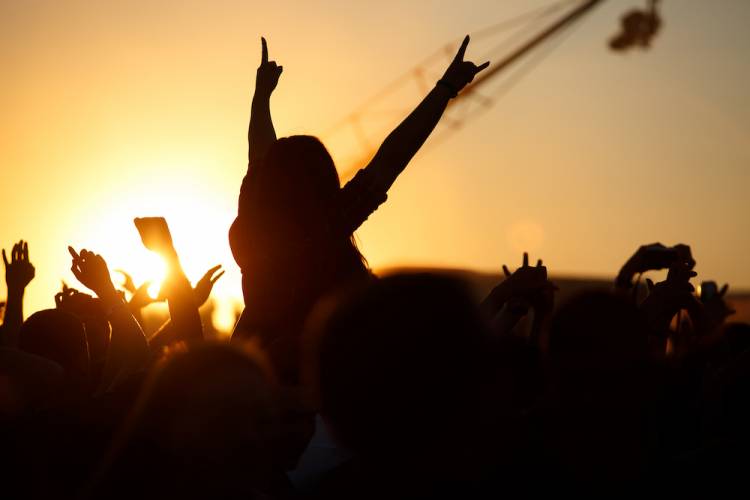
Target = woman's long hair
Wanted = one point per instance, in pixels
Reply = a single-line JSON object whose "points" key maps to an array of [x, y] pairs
{"points": [[290, 246], [296, 204]]}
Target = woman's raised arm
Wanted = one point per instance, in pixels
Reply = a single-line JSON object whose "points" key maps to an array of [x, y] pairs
{"points": [[261, 133], [406, 139]]}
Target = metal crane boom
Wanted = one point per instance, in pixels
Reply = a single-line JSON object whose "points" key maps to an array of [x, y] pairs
{"points": [[531, 44]]}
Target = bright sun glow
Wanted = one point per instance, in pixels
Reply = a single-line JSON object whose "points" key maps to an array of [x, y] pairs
{"points": [[195, 221], [145, 268]]}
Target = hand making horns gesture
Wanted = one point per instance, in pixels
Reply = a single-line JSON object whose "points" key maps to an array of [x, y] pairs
{"points": [[460, 73]]}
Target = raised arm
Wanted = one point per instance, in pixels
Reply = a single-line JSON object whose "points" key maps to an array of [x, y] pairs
{"points": [[128, 350], [404, 142], [651, 258], [167, 333], [183, 310], [18, 274], [261, 133]]}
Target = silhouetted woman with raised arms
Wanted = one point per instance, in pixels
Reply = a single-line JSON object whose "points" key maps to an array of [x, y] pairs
{"points": [[293, 236]]}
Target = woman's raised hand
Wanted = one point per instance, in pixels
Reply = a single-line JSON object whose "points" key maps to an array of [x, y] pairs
{"points": [[268, 73], [460, 73]]}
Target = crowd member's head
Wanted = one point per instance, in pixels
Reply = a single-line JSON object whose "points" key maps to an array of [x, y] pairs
{"points": [[205, 424], [598, 388], [91, 312], [399, 367], [61, 337], [598, 330], [737, 337], [727, 387]]}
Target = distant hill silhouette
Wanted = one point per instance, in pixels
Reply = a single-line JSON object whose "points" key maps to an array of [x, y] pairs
{"points": [[482, 283]]}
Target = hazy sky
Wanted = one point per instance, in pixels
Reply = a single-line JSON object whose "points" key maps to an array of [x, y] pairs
{"points": [[111, 110]]}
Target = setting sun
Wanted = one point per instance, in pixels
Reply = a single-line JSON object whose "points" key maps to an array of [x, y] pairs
{"points": [[199, 239]]}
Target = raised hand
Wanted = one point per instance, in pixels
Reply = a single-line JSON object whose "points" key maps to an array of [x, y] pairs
{"points": [[667, 298], [18, 271], [684, 255], [653, 257], [715, 309], [267, 76], [679, 275], [155, 235], [206, 284], [141, 297], [128, 285], [80, 304], [460, 73], [657, 256], [527, 285], [92, 271], [18, 274], [677, 285], [527, 281]]}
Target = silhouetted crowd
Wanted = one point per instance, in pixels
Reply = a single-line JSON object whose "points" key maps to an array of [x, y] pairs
{"points": [[338, 384]]}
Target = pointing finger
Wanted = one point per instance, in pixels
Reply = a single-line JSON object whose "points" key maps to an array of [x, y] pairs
{"points": [[462, 49], [481, 67], [213, 270], [216, 278], [264, 51], [73, 253]]}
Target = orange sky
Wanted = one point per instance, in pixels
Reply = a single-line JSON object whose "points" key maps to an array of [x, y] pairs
{"points": [[116, 110]]}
